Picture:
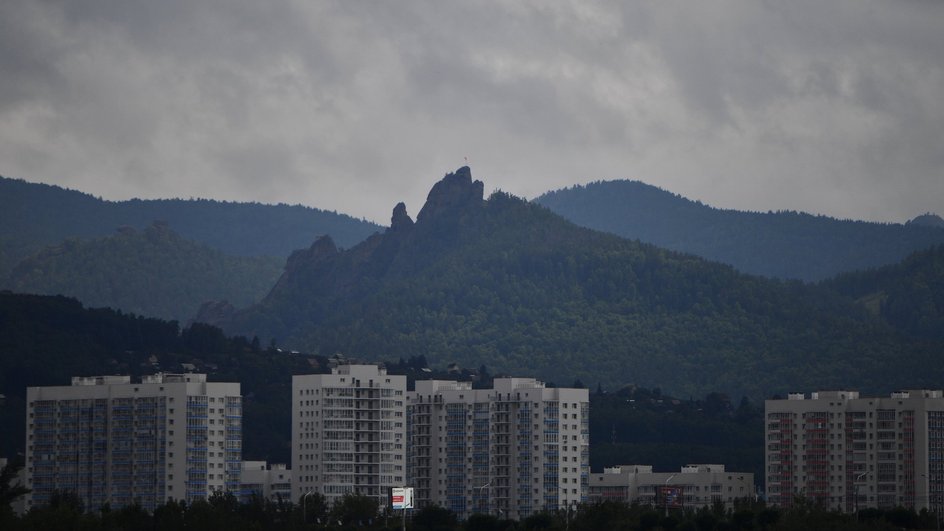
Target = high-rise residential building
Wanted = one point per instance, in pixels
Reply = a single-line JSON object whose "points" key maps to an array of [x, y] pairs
{"points": [[848, 452], [348, 433], [692, 487], [511, 451], [108, 440], [271, 482]]}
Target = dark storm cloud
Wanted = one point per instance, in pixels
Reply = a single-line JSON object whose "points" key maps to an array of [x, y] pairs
{"points": [[830, 107]]}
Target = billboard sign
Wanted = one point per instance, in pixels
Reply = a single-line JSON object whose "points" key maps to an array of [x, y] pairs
{"points": [[401, 497], [672, 497]]}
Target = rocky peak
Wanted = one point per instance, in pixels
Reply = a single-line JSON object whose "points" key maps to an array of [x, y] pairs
{"points": [[400, 219], [321, 250], [456, 191]]}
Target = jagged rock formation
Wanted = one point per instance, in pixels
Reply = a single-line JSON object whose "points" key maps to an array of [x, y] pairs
{"points": [[511, 285]]}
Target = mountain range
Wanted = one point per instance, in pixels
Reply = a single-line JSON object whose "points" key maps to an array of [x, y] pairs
{"points": [[788, 245], [509, 283], [34, 216]]}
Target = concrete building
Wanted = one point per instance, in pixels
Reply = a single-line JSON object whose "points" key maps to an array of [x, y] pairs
{"points": [[272, 482], [692, 487], [849, 452], [511, 451], [108, 440], [349, 433]]}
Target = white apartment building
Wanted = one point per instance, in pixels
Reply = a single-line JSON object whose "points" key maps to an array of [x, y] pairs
{"points": [[692, 487], [108, 440], [271, 482], [849, 452], [511, 451], [349, 433]]}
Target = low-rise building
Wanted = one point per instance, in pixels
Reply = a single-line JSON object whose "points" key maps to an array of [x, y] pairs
{"points": [[692, 487], [272, 482]]}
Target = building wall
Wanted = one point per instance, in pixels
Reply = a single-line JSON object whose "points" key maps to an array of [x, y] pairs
{"points": [[272, 482], [513, 450], [699, 485], [849, 452], [112, 441], [349, 433]]}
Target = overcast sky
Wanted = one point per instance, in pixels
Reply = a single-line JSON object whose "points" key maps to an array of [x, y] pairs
{"points": [[825, 106]]}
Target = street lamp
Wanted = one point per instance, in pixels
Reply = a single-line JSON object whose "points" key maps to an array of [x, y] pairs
{"points": [[855, 490], [305, 506], [665, 494], [481, 488]]}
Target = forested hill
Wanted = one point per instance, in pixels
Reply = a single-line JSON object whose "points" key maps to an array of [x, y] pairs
{"points": [[908, 296], [510, 284], [33, 216], [154, 272], [787, 245]]}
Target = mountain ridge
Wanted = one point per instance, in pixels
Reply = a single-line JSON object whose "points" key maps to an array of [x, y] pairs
{"points": [[784, 244], [33, 216]]}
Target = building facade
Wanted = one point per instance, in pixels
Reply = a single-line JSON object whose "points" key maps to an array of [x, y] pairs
{"points": [[511, 451], [108, 440], [692, 487], [271, 482], [349, 433], [848, 452]]}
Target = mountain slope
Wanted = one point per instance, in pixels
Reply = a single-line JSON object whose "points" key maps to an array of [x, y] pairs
{"points": [[154, 272], [787, 245], [908, 296], [33, 216], [512, 285]]}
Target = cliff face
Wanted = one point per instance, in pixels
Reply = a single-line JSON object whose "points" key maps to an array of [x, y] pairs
{"points": [[316, 279]]}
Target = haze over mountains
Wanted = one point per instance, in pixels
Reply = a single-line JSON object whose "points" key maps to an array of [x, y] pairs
{"points": [[789, 245], [33, 216]]}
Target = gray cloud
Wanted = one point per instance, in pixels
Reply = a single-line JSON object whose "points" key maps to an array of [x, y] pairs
{"points": [[829, 107]]}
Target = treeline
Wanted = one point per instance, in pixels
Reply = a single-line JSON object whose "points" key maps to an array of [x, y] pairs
{"points": [[644, 427], [225, 513], [789, 245]]}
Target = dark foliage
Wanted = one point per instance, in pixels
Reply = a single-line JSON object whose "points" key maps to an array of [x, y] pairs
{"points": [[641, 426], [153, 272], [908, 296], [223, 513], [788, 245]]}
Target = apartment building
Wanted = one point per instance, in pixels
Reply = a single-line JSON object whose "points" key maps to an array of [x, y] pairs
{"points": [[108, 440], [511, 451], [850, 452], [271, 482], [349, 433], [692, 487]]}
